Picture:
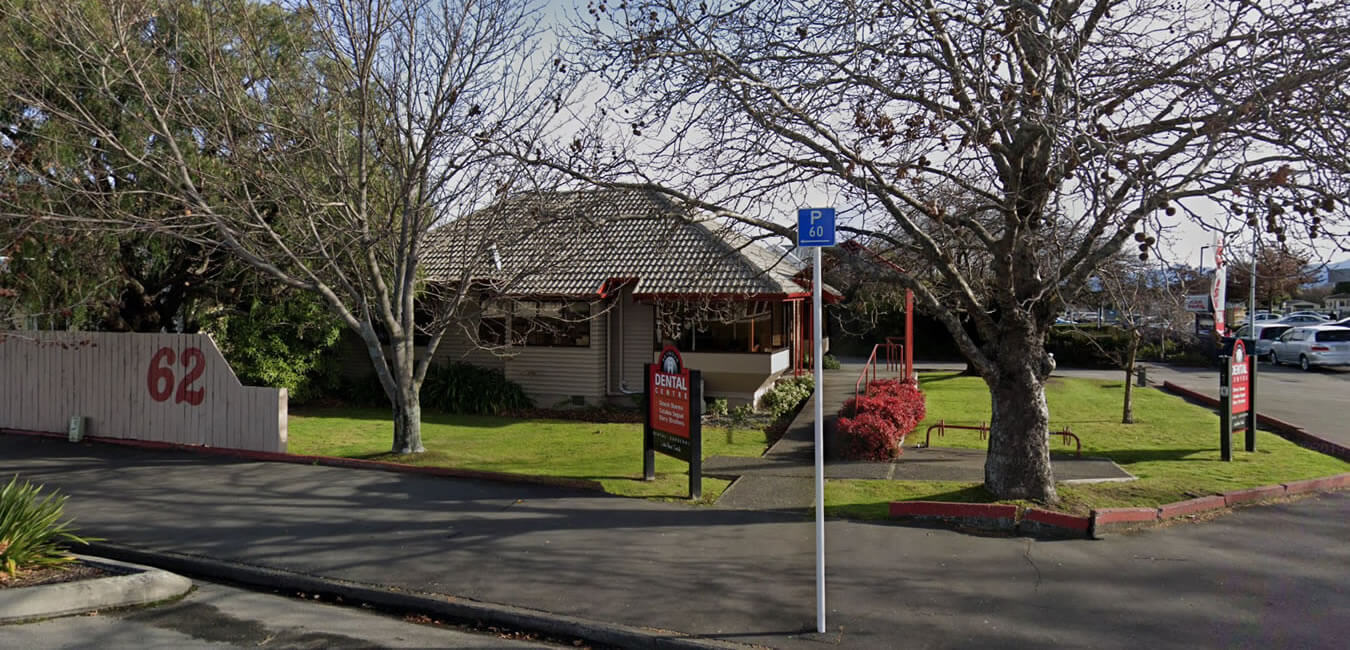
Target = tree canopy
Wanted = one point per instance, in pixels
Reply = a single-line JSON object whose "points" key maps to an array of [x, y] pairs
{"points": [[1045, 136]]}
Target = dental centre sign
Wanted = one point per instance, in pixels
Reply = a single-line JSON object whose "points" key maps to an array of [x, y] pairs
{"points": [[674, 420]]}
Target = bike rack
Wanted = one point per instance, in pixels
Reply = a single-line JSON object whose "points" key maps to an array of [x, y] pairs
{"points": [[1065, 434]]}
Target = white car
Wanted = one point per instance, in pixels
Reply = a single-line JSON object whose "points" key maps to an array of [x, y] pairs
{"points": [[1265, 317], [1317, 345], [1303, 318]]}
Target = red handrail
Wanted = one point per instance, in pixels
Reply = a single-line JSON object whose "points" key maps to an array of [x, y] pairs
{"points": [[895, 355]]}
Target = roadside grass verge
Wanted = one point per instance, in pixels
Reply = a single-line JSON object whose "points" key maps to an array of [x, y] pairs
{"points": [[1173, 447], [610, 454]]}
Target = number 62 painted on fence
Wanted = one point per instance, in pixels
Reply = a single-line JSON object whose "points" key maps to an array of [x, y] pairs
{"points": [[160, 379]]}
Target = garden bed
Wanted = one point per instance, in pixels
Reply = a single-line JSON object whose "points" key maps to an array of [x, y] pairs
{"points": [[52, 575]]}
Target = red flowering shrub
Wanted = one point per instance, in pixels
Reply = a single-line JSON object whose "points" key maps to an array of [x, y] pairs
{"points": [[871, 427]]}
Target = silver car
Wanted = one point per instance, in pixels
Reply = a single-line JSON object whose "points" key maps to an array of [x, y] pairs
{"points": [[1266, 334], [1317, 345]]}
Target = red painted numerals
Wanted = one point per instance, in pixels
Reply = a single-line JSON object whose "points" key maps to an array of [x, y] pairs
{"points": [[160, 379]]}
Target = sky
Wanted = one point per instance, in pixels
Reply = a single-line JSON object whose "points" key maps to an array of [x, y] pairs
{"points": [[1185, 243]]}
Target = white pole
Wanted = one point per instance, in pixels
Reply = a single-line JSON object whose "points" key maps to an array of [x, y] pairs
{"points": [[820, 445]]}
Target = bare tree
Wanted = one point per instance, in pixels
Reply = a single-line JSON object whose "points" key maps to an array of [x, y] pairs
{"points": [[1070, 124], [1145, 301], [321, 142]]}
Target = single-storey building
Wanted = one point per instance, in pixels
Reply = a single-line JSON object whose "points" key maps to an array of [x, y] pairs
{"points": [[574, 291], [1338, 303]]}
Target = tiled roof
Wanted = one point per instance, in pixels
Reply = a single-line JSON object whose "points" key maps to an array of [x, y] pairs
{"points": [[573, 243]]}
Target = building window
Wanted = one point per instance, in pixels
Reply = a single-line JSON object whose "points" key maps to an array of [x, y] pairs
{"points": [[743, 327], [533, 323]]}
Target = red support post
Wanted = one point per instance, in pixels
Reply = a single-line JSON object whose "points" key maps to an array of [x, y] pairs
{"points": [[909, 334]]}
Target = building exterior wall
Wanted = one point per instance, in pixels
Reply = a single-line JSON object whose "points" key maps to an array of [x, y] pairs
{"points": [[555, 376], [552, 375], [639, 339]]}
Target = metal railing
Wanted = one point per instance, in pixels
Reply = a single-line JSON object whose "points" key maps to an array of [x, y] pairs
{"points": [[1065, 434], [894, 357]]}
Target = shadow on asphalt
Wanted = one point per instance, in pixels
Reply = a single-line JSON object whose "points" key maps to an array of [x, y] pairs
{"points": [[1270, 576]]}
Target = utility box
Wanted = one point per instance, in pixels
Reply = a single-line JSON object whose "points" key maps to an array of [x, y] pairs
{"points": [[1141, 377], [76, 430]]}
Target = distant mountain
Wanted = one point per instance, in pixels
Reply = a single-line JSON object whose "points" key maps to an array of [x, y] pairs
{"points": [[1329, 272]]}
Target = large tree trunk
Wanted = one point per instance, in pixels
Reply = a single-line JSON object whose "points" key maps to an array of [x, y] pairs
{"points": [[395, 366], [408, 424], [1018, 464], [406, 400]]}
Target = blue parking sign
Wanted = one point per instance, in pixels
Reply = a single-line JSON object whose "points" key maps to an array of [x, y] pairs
{"points": [[815, 227]]}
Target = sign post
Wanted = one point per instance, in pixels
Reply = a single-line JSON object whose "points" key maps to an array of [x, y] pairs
{"points": [[1235, 411], [673, 425], [815, 229]]}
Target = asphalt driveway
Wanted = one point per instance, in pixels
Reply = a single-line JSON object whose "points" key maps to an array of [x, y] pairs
{"points": [[1263, 577]]}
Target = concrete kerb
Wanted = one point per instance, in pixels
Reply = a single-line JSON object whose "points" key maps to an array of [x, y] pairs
{"points": [[1049, 524], [441, 606], [1107, 520], [989, 517], [1036, 522], [131, 585], [329, 461], [1191, 507]]}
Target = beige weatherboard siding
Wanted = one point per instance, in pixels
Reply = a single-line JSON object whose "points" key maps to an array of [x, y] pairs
{"points": [[551, 375], [173, 388], [639, 339]]}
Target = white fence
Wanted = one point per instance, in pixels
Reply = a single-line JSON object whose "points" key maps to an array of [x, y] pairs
{"points": [[174, 388]]}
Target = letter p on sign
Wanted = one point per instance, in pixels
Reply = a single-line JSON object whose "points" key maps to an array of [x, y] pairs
{"points": [[815, 227]]}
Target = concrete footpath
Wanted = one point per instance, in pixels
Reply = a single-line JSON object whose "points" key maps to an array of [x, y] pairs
{"points": [[1262, 577], [216, 616]]}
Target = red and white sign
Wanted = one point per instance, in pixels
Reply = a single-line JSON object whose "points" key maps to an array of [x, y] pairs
{"points": [[670, 407], [1218, 290], [1239, 378], [1198, 303]]}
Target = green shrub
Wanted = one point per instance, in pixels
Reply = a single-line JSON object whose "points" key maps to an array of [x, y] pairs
{"points": [[786, 395], [718, 407], [281, 344], [465, 388], [31, 531], [828, 362]]}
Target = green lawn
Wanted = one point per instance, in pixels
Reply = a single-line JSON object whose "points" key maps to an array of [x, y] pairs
{"points": [[1173, 447], [608, 453]]}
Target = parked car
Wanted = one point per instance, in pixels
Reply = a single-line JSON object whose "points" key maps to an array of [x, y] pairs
{"points": [[1265, 316], [1344, 322], [1317, 345], [1303, 317], [1265, 335]]}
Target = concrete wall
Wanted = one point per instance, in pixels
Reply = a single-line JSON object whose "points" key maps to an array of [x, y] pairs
{"points": [[174, 388]]}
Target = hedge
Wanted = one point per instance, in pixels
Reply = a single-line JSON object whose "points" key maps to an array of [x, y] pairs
{"points": [[872, 426]]}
